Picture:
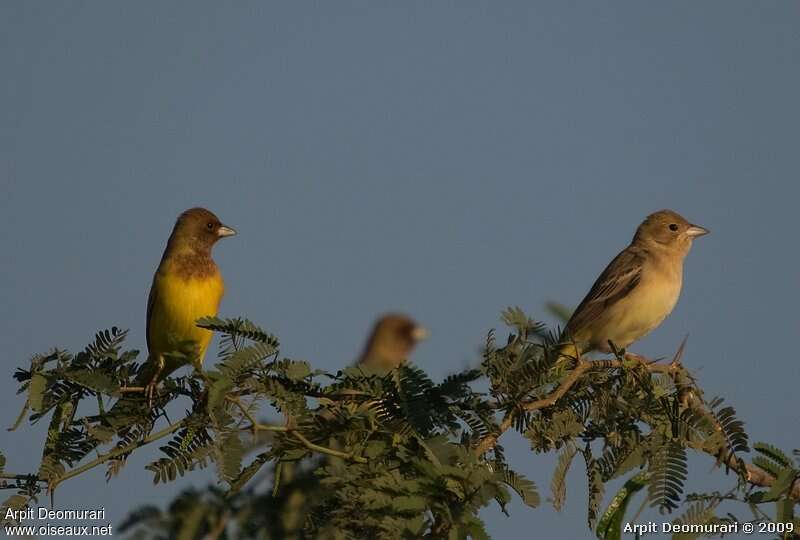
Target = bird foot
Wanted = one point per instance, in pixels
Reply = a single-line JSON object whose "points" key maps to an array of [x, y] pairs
{"points": [[150, 389]]}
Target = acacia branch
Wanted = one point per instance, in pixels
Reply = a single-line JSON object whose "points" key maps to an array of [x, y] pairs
{"points": [[255, 425], [582, 367], [25, 477], [754, 474], [116, 453]]}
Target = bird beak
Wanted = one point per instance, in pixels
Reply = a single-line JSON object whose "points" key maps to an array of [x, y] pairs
{"points": [[224, 231], [420, 333], [695, 231]]}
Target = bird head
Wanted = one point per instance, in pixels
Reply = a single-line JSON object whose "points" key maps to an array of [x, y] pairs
{"points": [[668, 229], [199, 229], [393, 338]]}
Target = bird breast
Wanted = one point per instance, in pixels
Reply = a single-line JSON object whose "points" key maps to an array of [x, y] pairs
{"points": [[179, 303], [647, 305]]}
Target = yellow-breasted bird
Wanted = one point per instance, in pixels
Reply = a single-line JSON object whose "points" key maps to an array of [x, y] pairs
{"points": [[637, 290], [187, 286], [393, 338]]}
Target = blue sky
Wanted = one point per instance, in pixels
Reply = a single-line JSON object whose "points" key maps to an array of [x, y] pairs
{"points": [[446, 159]]}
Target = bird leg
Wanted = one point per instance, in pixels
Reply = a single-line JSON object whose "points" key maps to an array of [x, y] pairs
{"points": [[150, 389]]}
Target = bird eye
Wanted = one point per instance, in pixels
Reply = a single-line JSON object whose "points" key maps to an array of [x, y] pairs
{"points": [[673, 227], [210, 226]]}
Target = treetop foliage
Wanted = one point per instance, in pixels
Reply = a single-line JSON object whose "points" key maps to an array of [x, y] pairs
{"points": [[359, 454]]}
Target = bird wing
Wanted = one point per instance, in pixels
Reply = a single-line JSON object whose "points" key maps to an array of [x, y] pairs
{"points": [[620, 277], [151, 301]]}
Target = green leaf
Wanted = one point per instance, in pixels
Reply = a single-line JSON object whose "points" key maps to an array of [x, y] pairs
{"points": [[514, 316], [238, 327], [772, 452], [216, 395], [768, 465], [93, 380], [525, 488], [246, 359], [558, 485], [559, 311], [781, 484], [596, 488], [15, 502], [477, 531], [231, 452], [36, 390], [190, 524], [784, 510], [409, 504], [610, 524], [668, 472], [698, 514], [297, 371]]}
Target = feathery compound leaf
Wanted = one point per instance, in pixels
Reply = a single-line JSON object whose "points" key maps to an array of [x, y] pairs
{"points": [[772, 459], [240, 362], [731, 426], [514, 316], [480, 428], [768, 465], [189, 449], [106, 343], [559, 311], [93, 380], [782, 483], [667, 470], [229, 454], [596, 487], [618, 460], [457, 384], [238, 327], [558, 485], [525, 488], [698, 514], [413, 389], [774, 453]]}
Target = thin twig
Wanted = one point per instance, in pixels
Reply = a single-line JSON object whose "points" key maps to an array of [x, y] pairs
{"points": [[490, 440], [294, 432], [115, 453], [330, 451], [255, 425], [219, 528], [132, 389], [26, 477], [238, 402], [21, 415]]}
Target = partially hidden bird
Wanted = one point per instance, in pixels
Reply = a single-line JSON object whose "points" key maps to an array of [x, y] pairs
{"points": [[187, 286], [392, 340], [636, 291]]}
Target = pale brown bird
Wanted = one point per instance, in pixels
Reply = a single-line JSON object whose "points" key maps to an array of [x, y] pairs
{"points": [[637, 290], [393, 338]]}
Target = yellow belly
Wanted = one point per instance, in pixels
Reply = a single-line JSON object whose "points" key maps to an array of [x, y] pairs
{"points": [[177, 304], [638, 314]]}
